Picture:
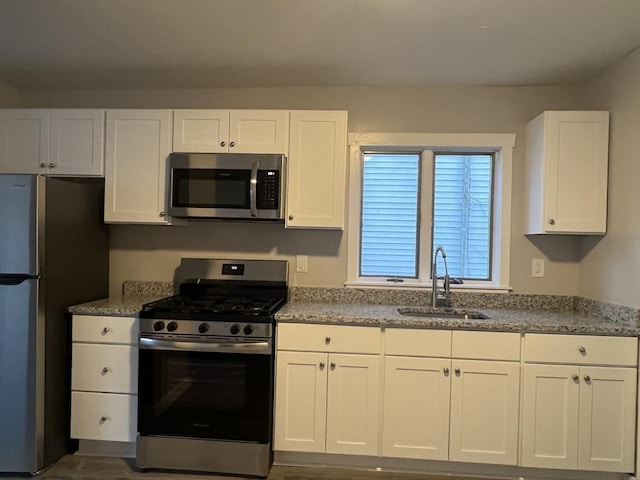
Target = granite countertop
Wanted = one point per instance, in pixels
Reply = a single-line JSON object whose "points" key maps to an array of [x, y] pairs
{"points": [[384, 315], [118, 306], [541, 321]]}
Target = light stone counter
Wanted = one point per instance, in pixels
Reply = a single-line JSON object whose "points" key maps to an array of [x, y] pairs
{"points": [[122, 306], [541, 321]]}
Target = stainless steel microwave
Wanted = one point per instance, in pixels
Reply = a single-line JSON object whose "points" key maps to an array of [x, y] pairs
{"points": [[231, 185]]}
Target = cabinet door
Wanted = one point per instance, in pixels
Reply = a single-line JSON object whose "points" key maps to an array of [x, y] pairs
{"points": [[137, 146], [484, 412], [301, 401], [550, 416], [201, 131], [24, 140], [352, 404], [607, 419], [259, 131], [416, 408], [317, 170], [577, 146], [77, 139]]}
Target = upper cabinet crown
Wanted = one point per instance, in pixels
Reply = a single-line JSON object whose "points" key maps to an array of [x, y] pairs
{"points": [[52, 142], [232, 131], [566, 173]]}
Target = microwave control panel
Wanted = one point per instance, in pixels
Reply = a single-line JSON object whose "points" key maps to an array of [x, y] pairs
{"points": [[268, 191]]}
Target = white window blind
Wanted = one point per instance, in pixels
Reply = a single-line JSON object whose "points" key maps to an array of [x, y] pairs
{"points": [[389, 227], [462, 213], [462, 204]]}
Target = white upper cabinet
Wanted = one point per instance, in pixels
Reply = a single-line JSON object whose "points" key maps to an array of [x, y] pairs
{"points": [[137, 146], [232, 131], [316, 169], [566, 173], [52, 142]]}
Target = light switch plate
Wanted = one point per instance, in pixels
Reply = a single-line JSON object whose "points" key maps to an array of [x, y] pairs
{"points": [[302, 263]]}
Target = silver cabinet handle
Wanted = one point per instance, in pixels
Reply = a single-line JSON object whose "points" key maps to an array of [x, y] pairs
{"points": [[105, 330], [43, 165], [327, 340], [161, 214], [457, 370], [253, 188], [103, 419], [552, 221], [290, 217], [321, 365], [232, 144], [105, 370], [575, 378], [52, 165], [333, 366], [222, 144], [582, 350], [587, 378], [446, 370]]}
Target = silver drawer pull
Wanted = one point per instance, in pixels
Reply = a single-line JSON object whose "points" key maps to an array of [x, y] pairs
{"points": [[446, 370], [587, 378], [103, 419], [327, 340], [333, 366], [105, 370], [321, 365], [105, 330], [582, 350], [575, 378], [457, 370]]}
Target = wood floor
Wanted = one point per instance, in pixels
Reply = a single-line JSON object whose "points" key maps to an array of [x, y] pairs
{"points": [[79, 467]]}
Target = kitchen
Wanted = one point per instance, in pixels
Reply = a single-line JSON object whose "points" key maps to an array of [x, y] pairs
{"points": [[601, 268]]}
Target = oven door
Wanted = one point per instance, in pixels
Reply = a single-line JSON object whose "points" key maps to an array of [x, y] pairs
{"points": [[214, 389]]}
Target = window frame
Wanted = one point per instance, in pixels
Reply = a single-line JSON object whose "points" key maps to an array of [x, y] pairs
{"points": [[501, 145]]}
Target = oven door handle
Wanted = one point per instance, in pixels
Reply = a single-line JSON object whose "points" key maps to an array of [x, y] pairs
{"points": [[260, 348], [253, 189]]}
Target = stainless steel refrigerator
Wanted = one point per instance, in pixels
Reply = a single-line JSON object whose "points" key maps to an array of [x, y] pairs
{"points": [[54, 251]]}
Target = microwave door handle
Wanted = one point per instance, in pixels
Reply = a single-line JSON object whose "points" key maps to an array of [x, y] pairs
{"points": [[253, 189]]}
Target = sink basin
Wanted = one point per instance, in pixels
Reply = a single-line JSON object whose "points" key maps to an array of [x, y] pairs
{"points": [[438, 312]]}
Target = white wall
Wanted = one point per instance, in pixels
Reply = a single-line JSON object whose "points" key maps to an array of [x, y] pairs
{"points": [[9, 97], [611, 268], [151, 253]]}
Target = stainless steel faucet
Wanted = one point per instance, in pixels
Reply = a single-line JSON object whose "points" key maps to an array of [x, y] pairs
{"points": [[434, 275]]}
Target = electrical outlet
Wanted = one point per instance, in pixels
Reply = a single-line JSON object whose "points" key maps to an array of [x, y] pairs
{"points": [[537, 267], [302, 263]]}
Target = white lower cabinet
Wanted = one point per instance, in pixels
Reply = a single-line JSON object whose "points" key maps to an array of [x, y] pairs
{"points": [[580, 416], [104, 378], [416, 408], [326, 401]]}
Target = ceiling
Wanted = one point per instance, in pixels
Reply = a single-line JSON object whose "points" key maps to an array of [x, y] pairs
{"points": [[88, 44]]}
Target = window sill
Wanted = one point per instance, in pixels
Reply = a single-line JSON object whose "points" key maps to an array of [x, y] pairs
{"points": [[427, 286]]}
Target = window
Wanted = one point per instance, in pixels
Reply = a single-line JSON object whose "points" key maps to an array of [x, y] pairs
{"points": [[410, 197]]}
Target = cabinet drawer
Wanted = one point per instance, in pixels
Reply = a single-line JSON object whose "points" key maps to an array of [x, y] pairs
{"points": [[486, 345], [102, 416], [417, 342], [99, 329], [328, 338], [581, 349], [104, 368]]}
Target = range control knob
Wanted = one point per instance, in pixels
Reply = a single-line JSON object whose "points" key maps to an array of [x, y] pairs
{"points": [[203, 328], [172, 326], [157, 326], [248, 329], [235, 329]]}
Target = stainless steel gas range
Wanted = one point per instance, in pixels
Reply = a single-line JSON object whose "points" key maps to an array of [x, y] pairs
{"points": [[206, 368]]}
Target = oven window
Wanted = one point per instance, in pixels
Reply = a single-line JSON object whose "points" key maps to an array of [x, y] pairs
{"points": [[211, 188], [205, 395]]}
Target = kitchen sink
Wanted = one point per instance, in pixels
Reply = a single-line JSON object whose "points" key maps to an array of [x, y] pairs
{"points": [[438, 312]]}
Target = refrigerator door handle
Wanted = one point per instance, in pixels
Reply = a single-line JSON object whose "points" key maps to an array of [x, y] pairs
{"points": [[16, 278]]}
